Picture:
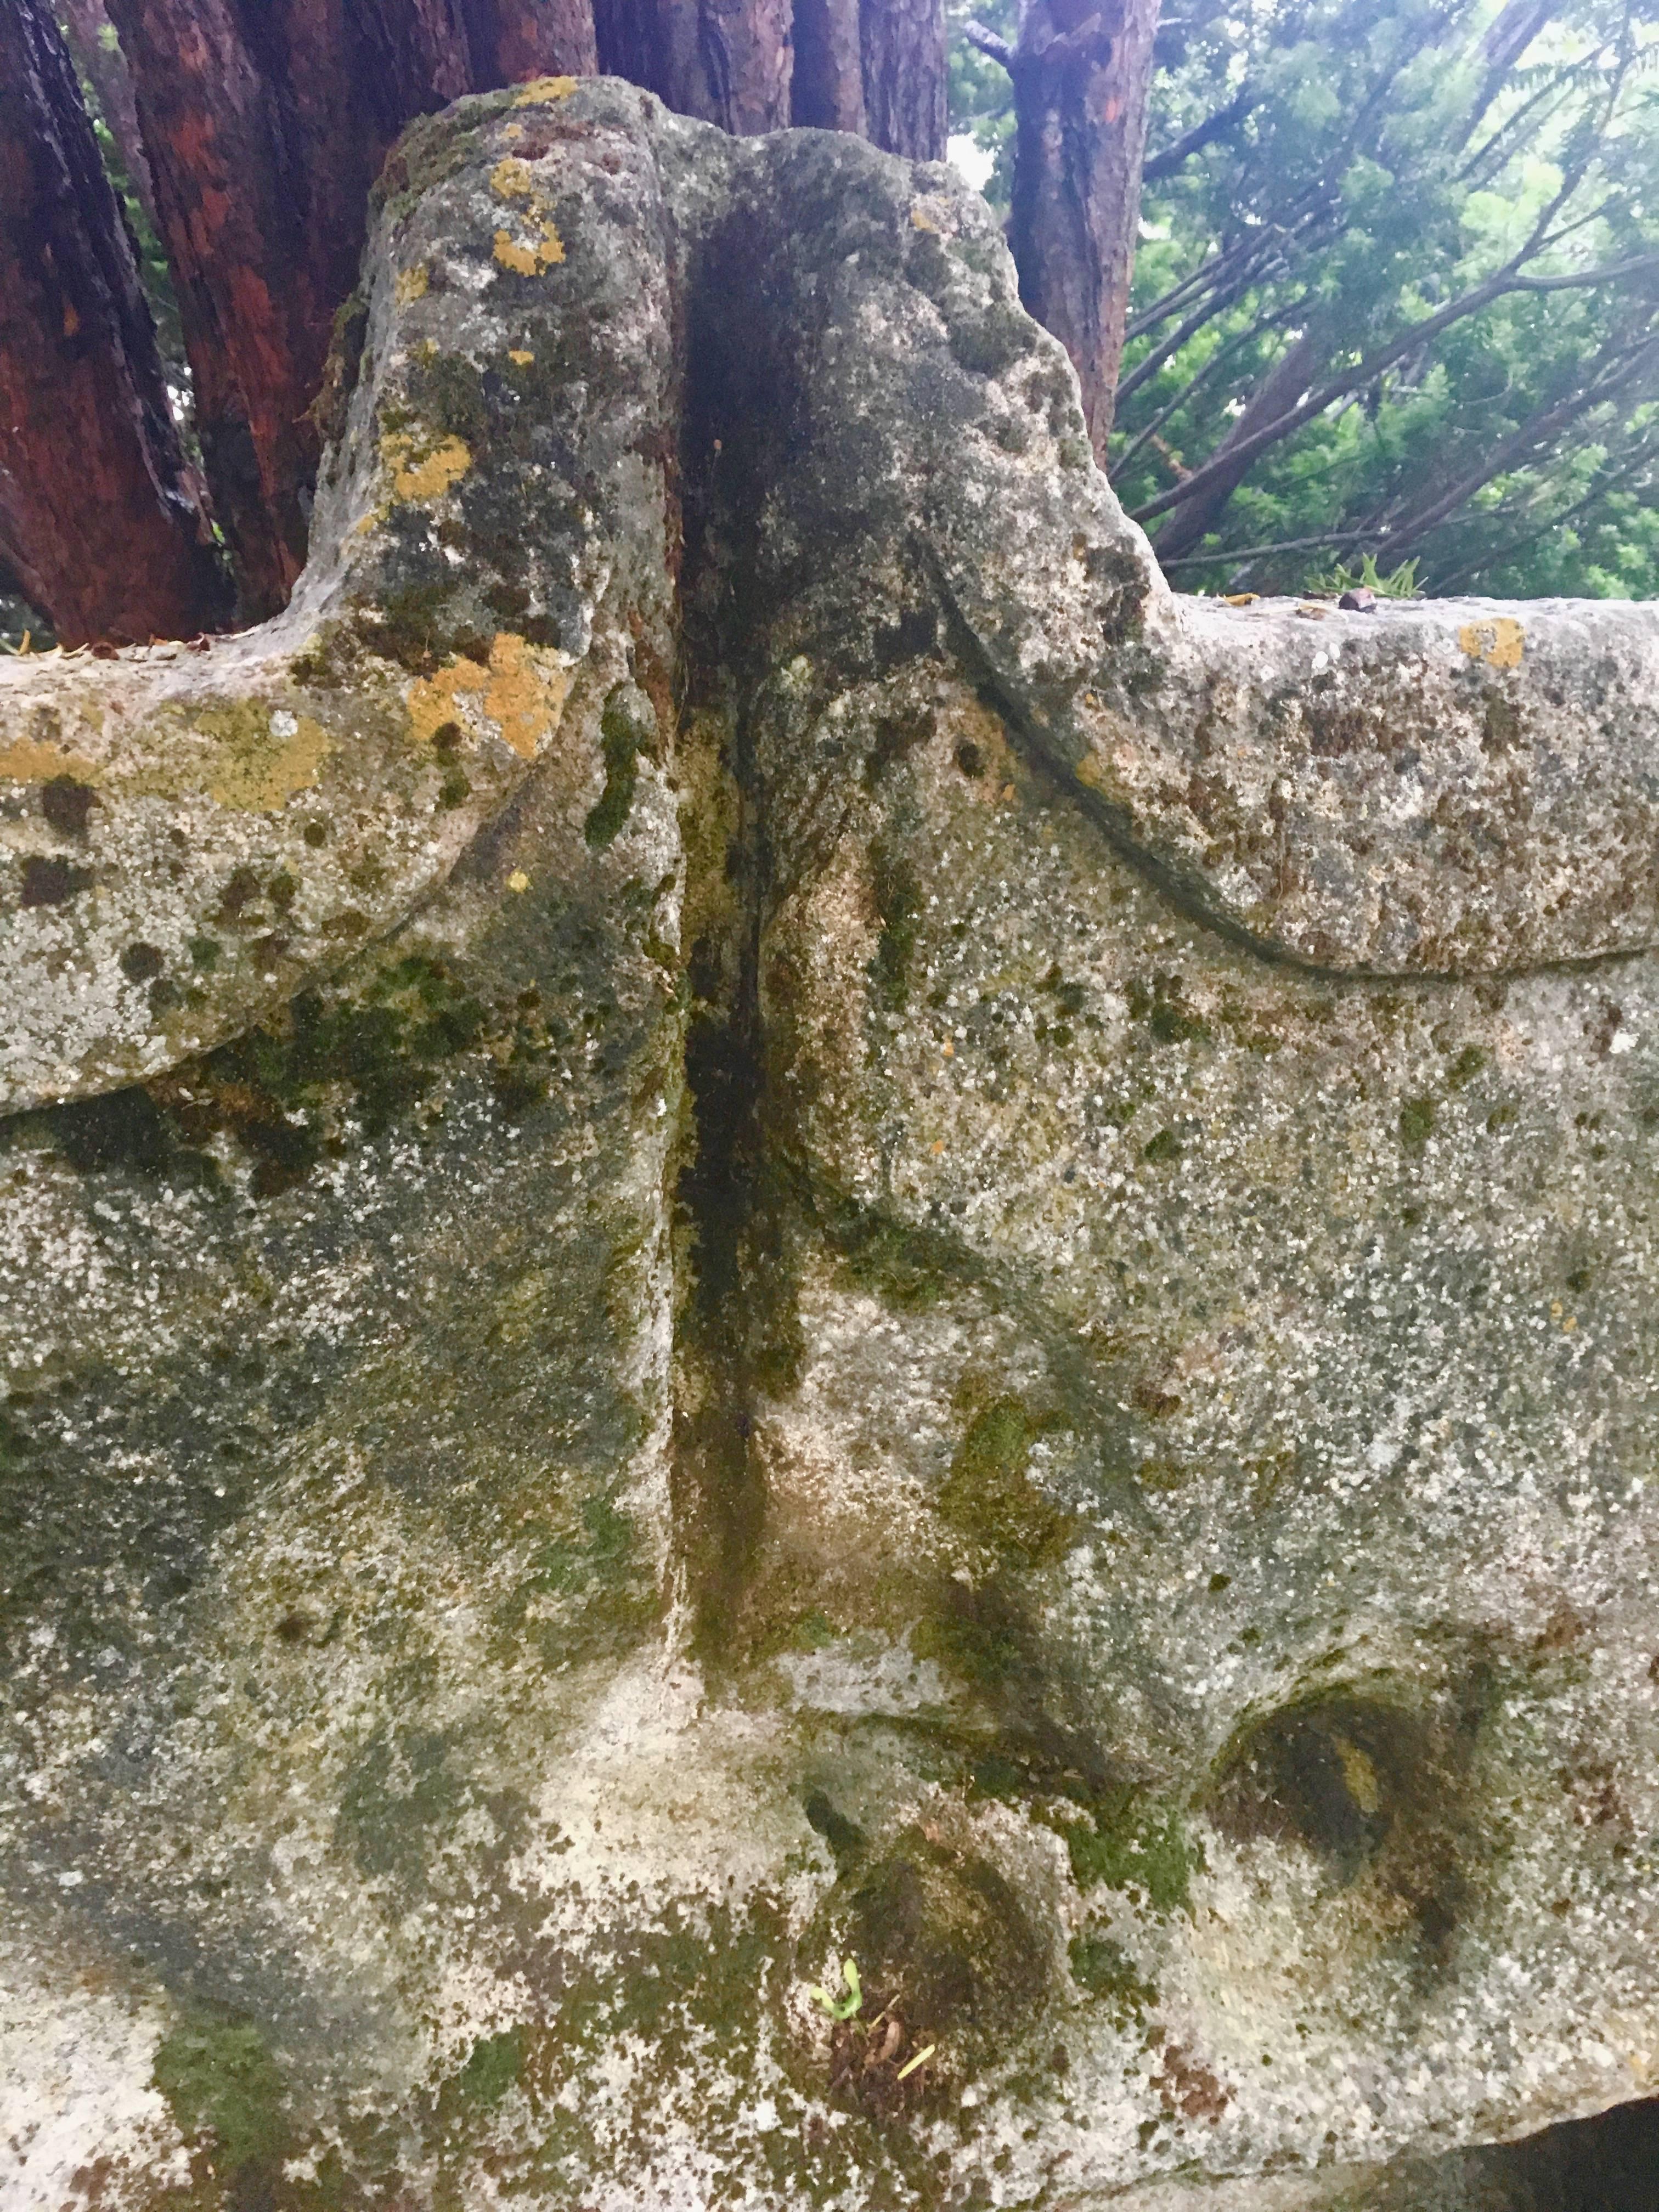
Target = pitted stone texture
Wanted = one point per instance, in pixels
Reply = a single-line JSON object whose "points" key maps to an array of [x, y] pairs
{"points": [[186, 834], [857, 1319]]}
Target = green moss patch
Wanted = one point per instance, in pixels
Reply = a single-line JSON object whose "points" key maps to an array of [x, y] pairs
{"points": [[898, 902], [988, 1493], [621, 741], [1106, 1971], [1131, 1843], [220, 2081]]}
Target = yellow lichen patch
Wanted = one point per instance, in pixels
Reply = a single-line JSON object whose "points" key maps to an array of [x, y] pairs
{"points": [[525, 696], [411, 284], [544, 250], [518, 881], [432, 700], [920, 220], [264, 756], [23, 761], [541, 90], [520, 357], [1110, 774], [521, 691], [1500, 642], [422, 472], [1359, 1775], [510, 178]]}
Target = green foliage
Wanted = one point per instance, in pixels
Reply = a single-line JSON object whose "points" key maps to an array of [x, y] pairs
{"points": [[1396, 234], [1408, 172], [1399, 583], [981, 97]]}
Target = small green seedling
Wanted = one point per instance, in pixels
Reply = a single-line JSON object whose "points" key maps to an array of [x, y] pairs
{"points": [[841, 2008], [1399, 583]]}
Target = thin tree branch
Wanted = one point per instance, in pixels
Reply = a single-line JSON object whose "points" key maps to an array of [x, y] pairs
{"points": [[1218, 360], [1504, 281], [1244, 554], [1144, 371], [1160, 166], [995, 48], [1491, 556]]}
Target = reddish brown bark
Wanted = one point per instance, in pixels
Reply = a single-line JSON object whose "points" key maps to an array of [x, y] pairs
{"points": [[876, 68], [827, 93], [728, 61], [99, 521], [266, 122], [903, 58], [1081, 76], [511, 40]]}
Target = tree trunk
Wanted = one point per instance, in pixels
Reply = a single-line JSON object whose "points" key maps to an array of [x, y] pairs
{"points": [[98, 520], [727, 61], [98, 57], [827, 93], [904, 71], [511, 40], [1278, 393], [1081, 77], [265, 129]]}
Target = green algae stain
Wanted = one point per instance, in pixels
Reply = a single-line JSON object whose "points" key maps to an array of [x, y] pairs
{"points": [[1106, 1971], [898, 904], [907, 1268], [219, 2079], [1131, 1845], [282, 1091], [606, 1556], [1417, 1120], [494, 2066], [988, 1493], [623, 739]]}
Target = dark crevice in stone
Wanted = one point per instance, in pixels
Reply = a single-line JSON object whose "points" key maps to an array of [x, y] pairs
{"points": [[737, 385], [1609, 2163]]}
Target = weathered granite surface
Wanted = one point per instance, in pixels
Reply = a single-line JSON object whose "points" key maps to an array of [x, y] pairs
{"points": [[750, 1217]]}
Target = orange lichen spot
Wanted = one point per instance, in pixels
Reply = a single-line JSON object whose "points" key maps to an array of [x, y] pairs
{"points": [[510, 178], [518, 881], [920, 220], [545, 248], [1500, 642], [422, 471], [411, 284], [541, 90], [522, 692]]}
